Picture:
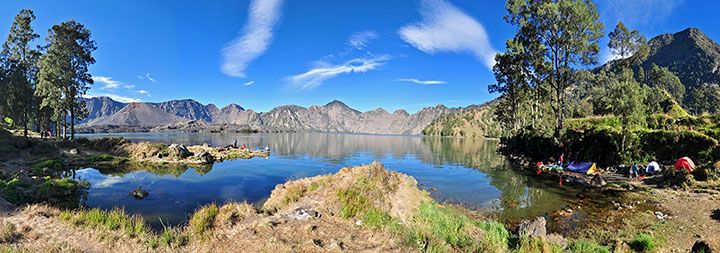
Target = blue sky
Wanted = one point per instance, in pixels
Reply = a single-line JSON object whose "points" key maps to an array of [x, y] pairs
{"points": [[264, 53]]}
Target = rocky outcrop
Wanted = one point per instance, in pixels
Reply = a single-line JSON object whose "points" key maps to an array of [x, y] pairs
{"points": [[533, 228]]}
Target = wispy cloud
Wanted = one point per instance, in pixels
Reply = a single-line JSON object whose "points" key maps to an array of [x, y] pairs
{"points": [[144, 92], [115, 97], [360, 40], [147, 77], [637, 13], [108, 82], [324, 71], [423, 82], [445, 28], [249, 83], [254, 39]]}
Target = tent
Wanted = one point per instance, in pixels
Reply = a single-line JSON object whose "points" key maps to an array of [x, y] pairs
{"points": [[582, 167], [653, 167], [685, 163]]}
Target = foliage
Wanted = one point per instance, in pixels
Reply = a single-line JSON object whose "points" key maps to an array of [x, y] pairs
{"points": [[626, 43], [662, 78], [114, 220], [8, 233], [439, 229], [585, 246], [472, 123], [203, 219], [64, 192], [538, 245], [63, 74], [558, 36], [643, 243]]}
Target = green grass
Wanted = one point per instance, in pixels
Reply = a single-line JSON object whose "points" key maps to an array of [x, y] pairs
{"points": [[114, 220], [585, 246], [170, 237], [438, 229], [46, 167], [538, 245], [203, 219], [643, 243], [377, 218], [294, 193], [352, 203]]}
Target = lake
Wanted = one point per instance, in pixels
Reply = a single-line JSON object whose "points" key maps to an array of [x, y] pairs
{"points": [[454, 170]]}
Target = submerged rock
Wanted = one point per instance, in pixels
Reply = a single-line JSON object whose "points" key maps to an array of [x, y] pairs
{"points": [[139, 193], [533, 228]]}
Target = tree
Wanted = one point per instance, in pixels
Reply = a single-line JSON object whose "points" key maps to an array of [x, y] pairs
{"points": [[625, 43], [625, 98], [704, 99], [663, 78], [63, 75], [20, 63], [569, 31], [512, 82]]}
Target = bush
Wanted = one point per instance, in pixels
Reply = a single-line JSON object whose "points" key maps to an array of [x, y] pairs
{"points": [[667, 145], [677, 178], [599, 144], [203, 219], [584, 246], [643, 243], [707, 172], [116, 219]]}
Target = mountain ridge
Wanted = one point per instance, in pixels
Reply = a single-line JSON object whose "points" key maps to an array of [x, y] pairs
{"points": [[190, 115]]}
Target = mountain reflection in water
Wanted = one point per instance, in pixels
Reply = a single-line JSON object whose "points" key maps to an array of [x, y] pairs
{"points": [[455, 170]]}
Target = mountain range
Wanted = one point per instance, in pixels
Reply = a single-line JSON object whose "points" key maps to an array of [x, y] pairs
{"points": [[107, 115]]}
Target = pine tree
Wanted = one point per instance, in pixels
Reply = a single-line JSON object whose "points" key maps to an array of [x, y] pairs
{"points": [[20, 63], [63, 76]]}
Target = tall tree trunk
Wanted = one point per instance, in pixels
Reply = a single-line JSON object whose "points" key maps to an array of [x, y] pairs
{"points": [[72, 124], [64, 125]]}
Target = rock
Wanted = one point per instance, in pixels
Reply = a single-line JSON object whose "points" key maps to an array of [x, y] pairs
{"points": [[359, 222], [178, 151], [557, 239], [74, 151], [303, 213], [701, 246], [661, 216], [6, 207], [336, 245], [139, 193], [205, 157], [533, 228], [597, 181]]}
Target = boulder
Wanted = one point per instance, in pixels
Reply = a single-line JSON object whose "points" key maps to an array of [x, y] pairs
{"points": [[701, 246], [533, 228], [303, 213], [6, 207], [74, 151], [597, 181], [205, 157], [178, 151]]}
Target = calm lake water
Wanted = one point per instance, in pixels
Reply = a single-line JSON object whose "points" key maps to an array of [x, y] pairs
{"points": [[460, 171]]}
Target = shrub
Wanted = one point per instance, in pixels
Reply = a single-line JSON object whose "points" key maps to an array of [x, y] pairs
{"points": [[8, 233], [643, 243], [203, 219], [667, 145], [584, 246]]}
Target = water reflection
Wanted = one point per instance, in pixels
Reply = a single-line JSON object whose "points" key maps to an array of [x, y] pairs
{"points": [[464, 171]]}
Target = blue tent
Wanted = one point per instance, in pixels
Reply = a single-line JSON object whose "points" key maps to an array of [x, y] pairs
{"points": [[582, 167]]}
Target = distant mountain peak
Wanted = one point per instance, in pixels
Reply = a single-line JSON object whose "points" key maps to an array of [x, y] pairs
{"points": [[336, 103]]}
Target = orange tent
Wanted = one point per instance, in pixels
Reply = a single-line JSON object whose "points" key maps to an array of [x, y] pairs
{"points": [[685, 163]]}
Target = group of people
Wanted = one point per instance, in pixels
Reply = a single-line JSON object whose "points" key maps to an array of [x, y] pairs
{"points": [[244, 146], [644, 170]]}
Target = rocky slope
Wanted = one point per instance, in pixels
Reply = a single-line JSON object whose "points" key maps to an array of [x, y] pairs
{"points": [[137, 114], [332, 117], [474, 122], [101, 107]]}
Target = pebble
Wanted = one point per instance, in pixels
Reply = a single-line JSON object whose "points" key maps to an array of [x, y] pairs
{"points": [[359, 222]]}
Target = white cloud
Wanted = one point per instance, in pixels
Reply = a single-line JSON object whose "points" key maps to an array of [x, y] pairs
{"points": [[360, 40], [108, 82], [114, 97], [144, 92], [254, 39], [445, 28], [249, 83], [424, 82], [324, 71], [637, 13]]}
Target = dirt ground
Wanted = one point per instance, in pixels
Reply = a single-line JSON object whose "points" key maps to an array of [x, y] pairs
{"points": [[691, 214]]}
